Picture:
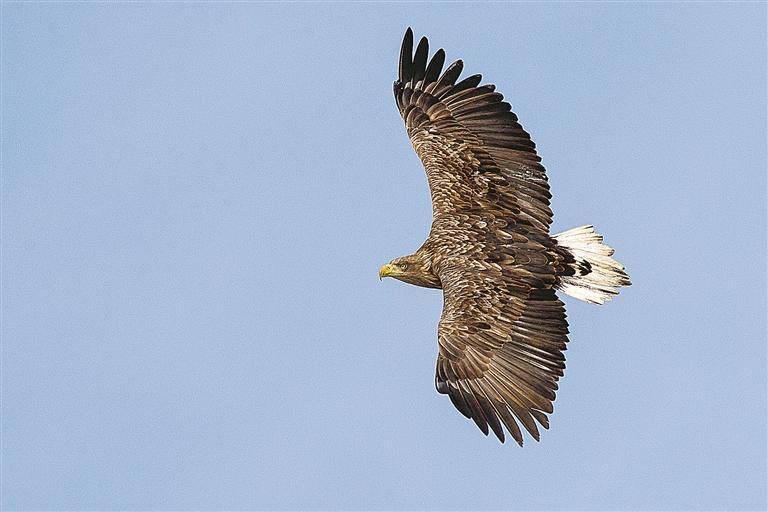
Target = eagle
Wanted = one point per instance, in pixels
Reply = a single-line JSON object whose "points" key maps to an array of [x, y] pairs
{"points": [[503, 329]]}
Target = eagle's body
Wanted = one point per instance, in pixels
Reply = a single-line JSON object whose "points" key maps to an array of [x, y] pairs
{"points": [[503, 330]]}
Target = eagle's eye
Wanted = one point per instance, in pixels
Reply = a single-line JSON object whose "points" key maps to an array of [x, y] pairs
{"points": [[403, 266]]}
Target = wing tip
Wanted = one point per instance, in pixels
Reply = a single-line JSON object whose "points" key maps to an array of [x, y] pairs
{"points": [[405, 65]]}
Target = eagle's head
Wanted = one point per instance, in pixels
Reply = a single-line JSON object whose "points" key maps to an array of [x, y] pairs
{"points": [[413, 269]]}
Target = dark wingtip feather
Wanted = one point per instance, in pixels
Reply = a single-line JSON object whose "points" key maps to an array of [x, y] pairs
{"points": [[541, 418], [459, 403], [420, 60], [451, 74], [435, 67], [441, 385], [477, 411], [467, 83], [490, 416], [405, 69], [509, 422]]}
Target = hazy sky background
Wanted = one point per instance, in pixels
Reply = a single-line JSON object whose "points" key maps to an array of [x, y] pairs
{"points": [[197, 198]]}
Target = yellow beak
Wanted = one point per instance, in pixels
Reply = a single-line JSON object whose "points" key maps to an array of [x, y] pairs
{"points": [[385, 271]]}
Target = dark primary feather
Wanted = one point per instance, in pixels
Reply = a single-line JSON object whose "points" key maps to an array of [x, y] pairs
{"points": [[405, 70], [420, 60], [435, 66], [503, 330], [449, 77]]}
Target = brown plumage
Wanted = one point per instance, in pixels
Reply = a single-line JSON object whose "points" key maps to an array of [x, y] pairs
{"points": [[503, 331]]}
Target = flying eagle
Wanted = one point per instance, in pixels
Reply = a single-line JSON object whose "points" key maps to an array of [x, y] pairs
{"points": [[503, 331]]}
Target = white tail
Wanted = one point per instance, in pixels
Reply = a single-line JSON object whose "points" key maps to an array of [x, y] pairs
{"points": [[598, 276]]}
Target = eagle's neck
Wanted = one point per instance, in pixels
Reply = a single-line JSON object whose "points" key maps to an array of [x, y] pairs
{"points": [[424, 274]]}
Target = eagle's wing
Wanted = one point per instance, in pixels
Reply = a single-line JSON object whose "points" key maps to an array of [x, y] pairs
{"points": [[501, 340], [475, 152]]}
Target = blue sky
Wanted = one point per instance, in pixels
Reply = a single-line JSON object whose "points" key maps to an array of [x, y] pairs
{"points": [[196, 198]]}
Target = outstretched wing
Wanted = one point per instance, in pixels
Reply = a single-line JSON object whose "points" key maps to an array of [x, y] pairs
{"points": [[501, 341], [475, 152]]}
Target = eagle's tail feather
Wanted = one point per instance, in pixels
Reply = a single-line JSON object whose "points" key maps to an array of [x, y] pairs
{"points": [[598, 276]]}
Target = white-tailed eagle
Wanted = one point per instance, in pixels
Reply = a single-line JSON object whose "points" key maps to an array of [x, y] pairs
{"points": [[503, 330]]}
